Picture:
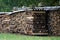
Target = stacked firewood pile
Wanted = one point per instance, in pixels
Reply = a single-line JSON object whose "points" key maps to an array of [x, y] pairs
{"points": [[30, 22], [3, 22], [40, 23], [18, 23], [2, 17], [54, 22], [15, 23]]}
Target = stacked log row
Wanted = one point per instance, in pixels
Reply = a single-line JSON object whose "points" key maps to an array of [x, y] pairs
{"points": [[2, 23], [54, 22], [1, 18], [31, 22], [16, 23], [40, 22], [20, 23]]}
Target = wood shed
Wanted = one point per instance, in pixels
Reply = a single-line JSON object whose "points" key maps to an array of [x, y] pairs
{"points": [[38, 21]]}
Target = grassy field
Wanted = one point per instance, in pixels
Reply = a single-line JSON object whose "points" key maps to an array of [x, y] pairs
{"points": [[7, 36]]}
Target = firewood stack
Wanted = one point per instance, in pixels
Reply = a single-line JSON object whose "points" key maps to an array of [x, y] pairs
{"points": [[31, 22], [54, 22], [20, 23], [15, 23], [40, 23], [12, 23], [1, 19], [18, 20]]}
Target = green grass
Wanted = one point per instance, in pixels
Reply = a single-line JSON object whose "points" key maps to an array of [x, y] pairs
{"points": [[7, 36]]}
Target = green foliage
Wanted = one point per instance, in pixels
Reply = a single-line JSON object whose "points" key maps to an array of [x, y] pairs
{"points": [[6, 5]]}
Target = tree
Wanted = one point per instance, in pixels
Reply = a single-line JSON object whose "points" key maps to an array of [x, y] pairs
{"points": [[6, 5]]}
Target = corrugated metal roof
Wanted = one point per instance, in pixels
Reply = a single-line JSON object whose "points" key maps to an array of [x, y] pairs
{"points": [[8, 13], [48, 8], [35, 8]]}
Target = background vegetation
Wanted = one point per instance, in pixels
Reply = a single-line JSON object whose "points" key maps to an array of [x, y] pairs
{"points": [[7, 5]]}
